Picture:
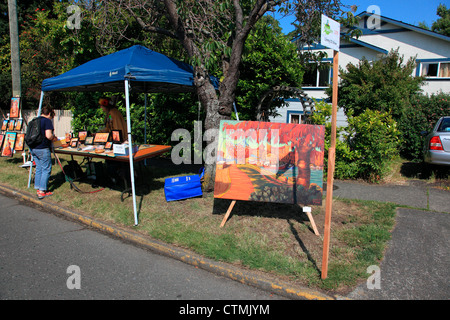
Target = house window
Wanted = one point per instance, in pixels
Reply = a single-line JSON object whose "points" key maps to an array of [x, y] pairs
{"points": [[317, 76], [295, 118], [435, 69]]}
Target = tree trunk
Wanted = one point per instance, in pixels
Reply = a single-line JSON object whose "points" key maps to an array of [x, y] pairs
{"points": [[218, 107], [209, 100]]}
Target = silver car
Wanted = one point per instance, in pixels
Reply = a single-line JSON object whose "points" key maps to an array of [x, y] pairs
{"points": [[437, 143]]}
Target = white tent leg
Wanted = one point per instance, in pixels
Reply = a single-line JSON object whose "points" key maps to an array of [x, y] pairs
{"points": [[38, 114], [40, 103], [235, 110], [145, 120], [130, 150], [145, 126]]}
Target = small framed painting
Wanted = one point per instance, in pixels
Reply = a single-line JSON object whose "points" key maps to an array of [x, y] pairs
{"points": [[11, 125], [14, 109], [82, 135], [109, 145], [20, 142], [116, 136], [101, 138], [74, 143], [89, 141], [18, 125], [4, 125], [8, 144]]}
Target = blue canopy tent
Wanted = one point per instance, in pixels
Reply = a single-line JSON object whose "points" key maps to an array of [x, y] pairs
{"points": [[137, 68]]}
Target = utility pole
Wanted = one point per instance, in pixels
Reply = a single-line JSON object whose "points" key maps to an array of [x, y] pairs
{"points": [[15, 53]]}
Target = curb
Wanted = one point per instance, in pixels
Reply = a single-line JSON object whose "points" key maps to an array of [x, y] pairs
{"points": [[219, 268]]}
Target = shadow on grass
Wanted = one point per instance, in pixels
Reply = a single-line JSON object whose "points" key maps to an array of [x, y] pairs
{"points": [[289, 212]]}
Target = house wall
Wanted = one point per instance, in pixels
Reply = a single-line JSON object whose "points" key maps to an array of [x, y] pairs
{"points": [[409, 43]]}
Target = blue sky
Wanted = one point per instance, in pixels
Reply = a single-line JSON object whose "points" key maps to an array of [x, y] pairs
{"points": [[409, 11]]}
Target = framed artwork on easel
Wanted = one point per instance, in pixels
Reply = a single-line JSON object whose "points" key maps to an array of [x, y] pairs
{"points": [[11, 125], [101, 138], [4, 125], [14, 109], [270, 162], [8, 144], [18, 125], [74, 143], [116, 136], [82, 135], [109, 145], [89, 141], [20, 142]]}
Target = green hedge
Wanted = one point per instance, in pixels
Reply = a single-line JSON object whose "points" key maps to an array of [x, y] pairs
{"points": [[421, 115], [365, 147]]}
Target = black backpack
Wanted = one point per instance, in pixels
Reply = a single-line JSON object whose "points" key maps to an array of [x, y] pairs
{"points": [[33, 136]]}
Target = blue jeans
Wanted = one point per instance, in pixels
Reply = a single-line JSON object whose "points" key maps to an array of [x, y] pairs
{"points": [[43, 160]]}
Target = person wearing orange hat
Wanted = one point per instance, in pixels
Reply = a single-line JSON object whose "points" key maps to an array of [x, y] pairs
{"points": [[114, 119]]}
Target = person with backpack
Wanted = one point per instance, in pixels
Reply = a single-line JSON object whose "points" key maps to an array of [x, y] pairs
{"points": [[41, 152]]}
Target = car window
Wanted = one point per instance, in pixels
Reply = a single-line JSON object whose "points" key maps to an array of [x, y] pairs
{"points": [[445, 125]]}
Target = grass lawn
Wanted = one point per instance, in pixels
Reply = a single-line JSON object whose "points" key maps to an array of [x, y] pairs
{"points": [[272, 238]]}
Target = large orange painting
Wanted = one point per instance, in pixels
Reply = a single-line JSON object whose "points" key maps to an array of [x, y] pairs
{"points": [[270, 162]]}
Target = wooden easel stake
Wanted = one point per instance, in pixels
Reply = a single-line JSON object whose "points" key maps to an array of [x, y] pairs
{"points": [[228, 213], [307, 210]]}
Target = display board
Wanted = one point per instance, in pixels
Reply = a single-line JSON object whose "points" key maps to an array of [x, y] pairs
{"points": [[270, 162]]}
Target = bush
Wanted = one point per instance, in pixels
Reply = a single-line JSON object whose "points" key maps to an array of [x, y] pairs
{"points": [[421, 115], [374, 138], [386, 85], [344, 164], [364, 148]]}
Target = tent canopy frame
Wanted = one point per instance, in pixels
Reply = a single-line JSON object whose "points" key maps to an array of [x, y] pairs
{"points": [[137, 68]]}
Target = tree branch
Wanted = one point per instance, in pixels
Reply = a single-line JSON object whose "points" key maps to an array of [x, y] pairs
{"points": [[149, 28]]}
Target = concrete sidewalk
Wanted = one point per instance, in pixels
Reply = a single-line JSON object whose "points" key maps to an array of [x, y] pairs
{"points": [[416, 265], [423, 197]]}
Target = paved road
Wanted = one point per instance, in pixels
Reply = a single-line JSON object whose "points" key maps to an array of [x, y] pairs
{"points": [[37, 248]]}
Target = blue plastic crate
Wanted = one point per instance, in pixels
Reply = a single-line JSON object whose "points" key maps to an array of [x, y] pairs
{"points": [[179, 188]]}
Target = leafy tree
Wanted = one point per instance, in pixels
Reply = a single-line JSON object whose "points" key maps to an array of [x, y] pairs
{"points": [[47, 48], [385, 85], [269, 60], [442, 25], [25, 9]]}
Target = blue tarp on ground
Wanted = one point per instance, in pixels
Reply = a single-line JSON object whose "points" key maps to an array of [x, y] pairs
{"points": [[147, 70]]}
